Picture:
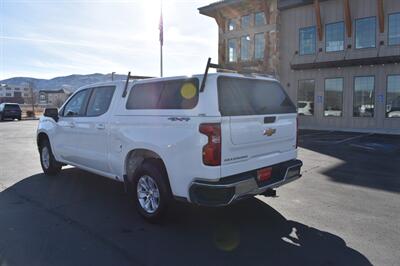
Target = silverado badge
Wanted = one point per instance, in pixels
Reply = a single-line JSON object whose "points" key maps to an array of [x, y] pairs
{"points": [[269, 132]]}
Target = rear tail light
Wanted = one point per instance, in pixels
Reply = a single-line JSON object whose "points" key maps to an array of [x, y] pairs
{"points": [[212, 150]]}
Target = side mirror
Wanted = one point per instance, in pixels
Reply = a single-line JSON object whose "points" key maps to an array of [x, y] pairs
{"points": [[51, 112]]}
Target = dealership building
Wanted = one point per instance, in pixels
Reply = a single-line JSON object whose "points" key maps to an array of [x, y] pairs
{"points": [[338, 59]]}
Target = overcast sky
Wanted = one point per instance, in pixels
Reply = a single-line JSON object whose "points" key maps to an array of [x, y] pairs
{"points": [[49, 38]]}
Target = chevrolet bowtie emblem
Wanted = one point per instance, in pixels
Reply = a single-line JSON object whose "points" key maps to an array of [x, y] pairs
{"points": [[269, 132]]}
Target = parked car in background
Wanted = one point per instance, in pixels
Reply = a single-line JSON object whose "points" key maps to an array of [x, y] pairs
{"points": [[334, 113], [232, 137], [393, 108], [10, 111], [305, 107], [393, 114]]}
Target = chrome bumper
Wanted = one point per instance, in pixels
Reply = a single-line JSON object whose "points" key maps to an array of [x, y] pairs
{"points": [[225, 193]]}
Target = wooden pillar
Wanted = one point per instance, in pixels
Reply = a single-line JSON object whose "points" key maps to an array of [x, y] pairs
{"points": [[221, 40], [381, 16], [222, 51], [318, 18], [347, 18], [220, 21], [265, 7], [266, 52]]}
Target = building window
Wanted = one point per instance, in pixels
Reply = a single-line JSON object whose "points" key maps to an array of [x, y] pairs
{"points": [[16, 89], [245, 22], [364, 97], [307, 41], [245, 48], [305, 97], [8, 94], [26, 89], [334, 37], [393, 96], [259, 46], [26, 95], [232, 50], [259, 19], [394, 29], [333, 105], [8, 89], [366, 33], [231, 25]]}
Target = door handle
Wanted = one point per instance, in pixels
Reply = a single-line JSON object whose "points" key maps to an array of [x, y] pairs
{"points": [[100, 126]]}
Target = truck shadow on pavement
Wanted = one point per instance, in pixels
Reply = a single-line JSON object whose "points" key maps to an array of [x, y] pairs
{"points": [[78, 218]]}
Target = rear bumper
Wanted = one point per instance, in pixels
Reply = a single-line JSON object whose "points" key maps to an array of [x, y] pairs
{"points": [[11, 116], [236, 187]]}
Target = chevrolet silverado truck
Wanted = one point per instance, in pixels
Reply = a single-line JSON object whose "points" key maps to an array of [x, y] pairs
{"points": [[209, 139]]}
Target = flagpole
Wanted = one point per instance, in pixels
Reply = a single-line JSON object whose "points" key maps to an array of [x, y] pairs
{"points": [[161, 60], [161, 27]]}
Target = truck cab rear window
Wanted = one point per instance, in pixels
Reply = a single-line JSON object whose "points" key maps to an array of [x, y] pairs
{"points": [[171, 94], [246, 96], [12, 107]]}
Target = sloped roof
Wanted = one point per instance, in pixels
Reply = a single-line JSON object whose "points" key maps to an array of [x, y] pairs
{"points": [[53, 91], [210, 9]]}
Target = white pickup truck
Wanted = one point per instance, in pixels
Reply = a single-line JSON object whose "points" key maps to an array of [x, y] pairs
{"points": [[206, 139]]}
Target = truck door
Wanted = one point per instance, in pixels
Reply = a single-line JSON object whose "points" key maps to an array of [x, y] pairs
{"points": [[91, 130], [65, 137]]}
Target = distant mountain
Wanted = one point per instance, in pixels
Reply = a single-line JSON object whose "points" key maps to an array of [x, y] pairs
{"points": [[71, 82]]}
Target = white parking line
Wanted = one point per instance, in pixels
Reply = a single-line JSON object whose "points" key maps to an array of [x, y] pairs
{"points": [[362, 147], [317, 133], [352, 138]]}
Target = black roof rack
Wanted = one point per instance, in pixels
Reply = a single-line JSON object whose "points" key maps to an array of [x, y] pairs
{"points": [[216, 66], [227, 70], [128, 78]]}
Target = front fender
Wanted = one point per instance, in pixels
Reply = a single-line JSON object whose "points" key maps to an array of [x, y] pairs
{"points": [[47, 126]]}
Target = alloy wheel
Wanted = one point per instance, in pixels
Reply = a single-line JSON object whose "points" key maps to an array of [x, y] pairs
{"points": [[148, 194]]}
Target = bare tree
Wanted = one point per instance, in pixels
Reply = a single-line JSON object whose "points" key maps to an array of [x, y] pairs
{"points": [[33, 97], [58, 102]]}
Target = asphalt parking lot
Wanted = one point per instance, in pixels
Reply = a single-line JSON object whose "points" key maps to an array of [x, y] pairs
{"points": [[345, 210]]}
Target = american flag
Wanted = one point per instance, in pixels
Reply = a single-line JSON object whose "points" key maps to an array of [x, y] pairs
{"points": [[161, 28]]}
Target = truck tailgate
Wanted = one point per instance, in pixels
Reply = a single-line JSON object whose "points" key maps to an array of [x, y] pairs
{"points": [[259, 124]]}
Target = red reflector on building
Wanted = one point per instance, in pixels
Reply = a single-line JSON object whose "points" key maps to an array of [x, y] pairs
{"points": [[264, 174]]}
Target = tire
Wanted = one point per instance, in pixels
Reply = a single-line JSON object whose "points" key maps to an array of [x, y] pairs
{"points": [[1, 117], [19, 118], [152, 174], [49, 164]]}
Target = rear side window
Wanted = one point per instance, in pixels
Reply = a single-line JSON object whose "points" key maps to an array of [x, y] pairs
{"points": [[13, 107], [100, 100], [244, 96], [172, 94], [302, 105]]}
